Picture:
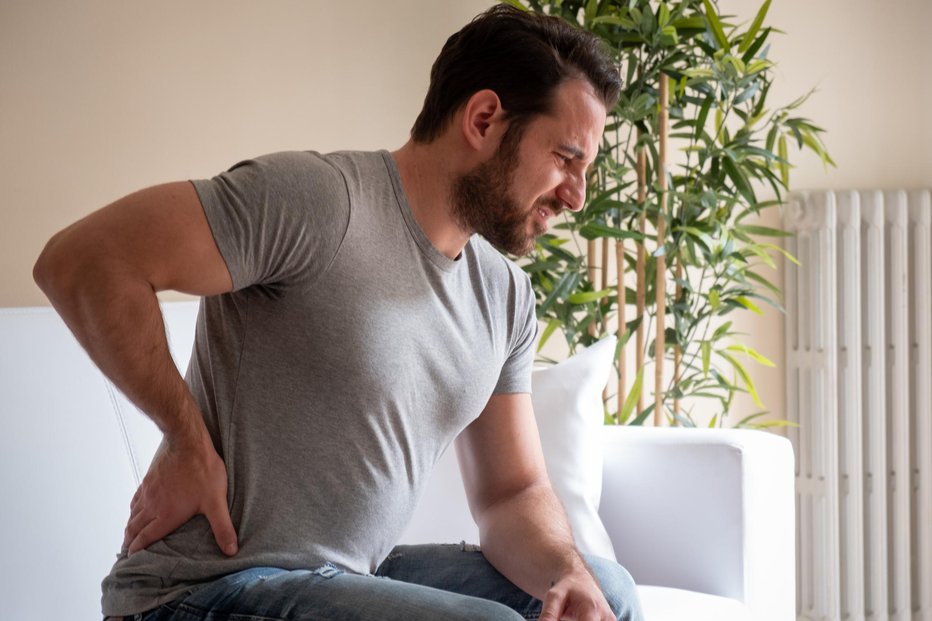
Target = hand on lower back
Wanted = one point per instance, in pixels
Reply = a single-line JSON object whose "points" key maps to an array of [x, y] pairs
{"points": [[182, 482]]}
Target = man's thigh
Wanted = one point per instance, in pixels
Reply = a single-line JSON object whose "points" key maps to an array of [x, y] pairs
{"points": [[458, 568], [324, 594], [461, 568]]}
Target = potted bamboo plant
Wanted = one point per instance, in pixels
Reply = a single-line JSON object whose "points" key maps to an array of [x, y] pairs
{"points": [[667, 246]]}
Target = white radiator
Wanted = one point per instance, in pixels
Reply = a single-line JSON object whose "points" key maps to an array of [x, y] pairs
{"points": [[859, 384]]}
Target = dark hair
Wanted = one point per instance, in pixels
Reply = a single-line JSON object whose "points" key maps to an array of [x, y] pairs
{"points": [[520, 55]]}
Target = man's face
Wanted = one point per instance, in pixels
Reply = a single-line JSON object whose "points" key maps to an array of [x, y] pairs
{"points": [[537, 171]]}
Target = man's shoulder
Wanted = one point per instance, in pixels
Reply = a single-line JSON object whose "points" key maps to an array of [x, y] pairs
{"points": [[309, 173], [297, 162]]}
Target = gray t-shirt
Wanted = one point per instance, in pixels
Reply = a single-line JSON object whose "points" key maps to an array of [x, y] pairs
{"points": [[349, 355]]}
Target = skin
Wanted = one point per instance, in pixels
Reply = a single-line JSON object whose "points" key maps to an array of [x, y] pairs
{"points": [[158, 239]]}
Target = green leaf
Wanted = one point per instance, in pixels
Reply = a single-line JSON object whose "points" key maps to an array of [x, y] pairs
{"points": [[716, 25], [748, 304], [517, 5], [689, 23], [747, 419], [761, 253], [764, 231], [762, 281], [595, 230], [704, 112], [738, 177], [759, 65], [752, 353], [813, 143], [721, 331], [592, 9], [612, 20], [586, 297], [663, 15], [747, 93], [714, 299], [699, 72], [780, 422], [713, 421], [783, 163], [745, 377], [750, 52], [555, 250], [706, 356], [552, 325], [631, 399], [755, 27], [785, 253], [643, 415], [566, 284]]}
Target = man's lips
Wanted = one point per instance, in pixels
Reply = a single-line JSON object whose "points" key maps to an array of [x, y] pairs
{"points": [[549, 209]]}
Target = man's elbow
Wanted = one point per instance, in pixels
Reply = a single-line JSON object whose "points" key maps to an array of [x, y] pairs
{"points": [[49, 270], [65, 267]]}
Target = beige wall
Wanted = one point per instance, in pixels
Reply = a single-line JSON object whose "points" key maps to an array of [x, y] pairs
{"points": [[101, 97], [98, 98]]}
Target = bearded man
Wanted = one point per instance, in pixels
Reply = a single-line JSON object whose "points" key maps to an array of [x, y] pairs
{"points": [[356, 318]]}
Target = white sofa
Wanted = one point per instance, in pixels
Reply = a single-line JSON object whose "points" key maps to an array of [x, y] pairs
{"points": [[705, 516]]}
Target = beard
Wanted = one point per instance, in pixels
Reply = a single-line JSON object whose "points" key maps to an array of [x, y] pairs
{"points": [[483, 202]]}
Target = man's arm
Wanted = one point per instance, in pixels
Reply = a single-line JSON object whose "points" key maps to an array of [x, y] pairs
{"points": [[101, 275], [522, 526]]}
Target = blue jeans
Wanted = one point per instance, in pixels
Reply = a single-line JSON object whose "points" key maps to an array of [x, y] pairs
{"points": [[424, 582]]}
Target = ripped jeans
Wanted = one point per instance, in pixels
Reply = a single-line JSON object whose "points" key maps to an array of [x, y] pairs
{"points": [[415, 583]]}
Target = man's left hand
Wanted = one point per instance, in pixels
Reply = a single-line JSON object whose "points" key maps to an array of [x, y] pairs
{"points": [[576, 597]]}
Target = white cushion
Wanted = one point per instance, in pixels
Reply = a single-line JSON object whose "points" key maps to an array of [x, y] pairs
{"points": [[570, 415], [567, 401], [666, 603]]}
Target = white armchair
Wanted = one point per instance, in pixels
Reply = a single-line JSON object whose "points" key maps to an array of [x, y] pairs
{"points": [[705, 515]]}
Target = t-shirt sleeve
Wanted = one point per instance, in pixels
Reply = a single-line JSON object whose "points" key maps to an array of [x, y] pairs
{"points": [[515, 376], [277, 219]]}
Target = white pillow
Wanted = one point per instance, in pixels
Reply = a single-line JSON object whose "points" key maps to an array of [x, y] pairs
{"points": [[568, 406]]}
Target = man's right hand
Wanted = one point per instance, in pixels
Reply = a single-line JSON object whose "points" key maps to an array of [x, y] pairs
{"points": [[184, 480], [102, 274]]}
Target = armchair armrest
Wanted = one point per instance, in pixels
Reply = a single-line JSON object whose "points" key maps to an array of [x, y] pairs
{"points": [[708, 510]]}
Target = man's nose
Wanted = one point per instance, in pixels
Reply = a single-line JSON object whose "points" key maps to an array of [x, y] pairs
{"points": [[573, 192]]}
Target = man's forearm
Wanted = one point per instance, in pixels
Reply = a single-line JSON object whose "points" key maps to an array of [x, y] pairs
{"points": [[527, 537], [116, 318]]}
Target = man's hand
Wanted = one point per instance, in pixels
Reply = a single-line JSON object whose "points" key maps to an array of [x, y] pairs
{"points": [[576, 597], [183, 481]]}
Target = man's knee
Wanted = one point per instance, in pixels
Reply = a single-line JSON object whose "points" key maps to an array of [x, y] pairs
{"points": [[618, 587]]}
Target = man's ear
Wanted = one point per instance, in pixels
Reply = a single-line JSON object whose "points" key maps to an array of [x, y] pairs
{"points": [[484, 121]]}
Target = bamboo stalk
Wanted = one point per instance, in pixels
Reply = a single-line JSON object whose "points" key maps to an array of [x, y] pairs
{"points": [[641, 266], [660, 287], [677, 352], [622, 322], [591, 254], [604, 266]]}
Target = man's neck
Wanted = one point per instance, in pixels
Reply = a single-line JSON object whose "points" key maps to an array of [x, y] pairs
{"points": [[427, 176]]}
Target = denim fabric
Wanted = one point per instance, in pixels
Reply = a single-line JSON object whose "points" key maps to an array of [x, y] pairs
{"points": [[415, 583]]}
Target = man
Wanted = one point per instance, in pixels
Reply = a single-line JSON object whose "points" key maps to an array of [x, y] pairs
{"points": [[352, 325]]}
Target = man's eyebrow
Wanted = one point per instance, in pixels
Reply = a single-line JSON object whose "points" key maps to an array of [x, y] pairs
{"points": [[575, 151]]}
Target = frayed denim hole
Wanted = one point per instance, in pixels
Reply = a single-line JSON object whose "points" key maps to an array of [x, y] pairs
{"points": [[328, 570]]}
